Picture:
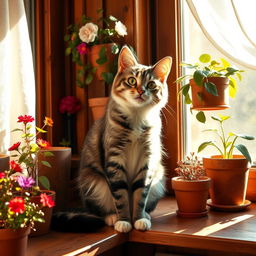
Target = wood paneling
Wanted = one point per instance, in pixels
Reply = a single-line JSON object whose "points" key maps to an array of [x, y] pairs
{"points": [[168, 43]]}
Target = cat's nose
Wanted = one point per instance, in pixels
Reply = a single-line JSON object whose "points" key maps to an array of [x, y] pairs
{"points": [[140, 91]]}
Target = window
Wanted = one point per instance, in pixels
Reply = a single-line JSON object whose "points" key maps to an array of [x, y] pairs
{"points": [[243, 119]]}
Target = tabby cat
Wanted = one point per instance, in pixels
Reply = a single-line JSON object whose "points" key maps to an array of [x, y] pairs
{"points": [[121, 174]]}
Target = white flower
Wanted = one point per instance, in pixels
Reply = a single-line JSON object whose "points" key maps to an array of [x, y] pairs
{"points": [[88, 32], [120, 28]]}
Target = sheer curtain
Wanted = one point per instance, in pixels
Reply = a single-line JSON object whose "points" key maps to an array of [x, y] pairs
{"points": [[230, 26], [17, 82]]}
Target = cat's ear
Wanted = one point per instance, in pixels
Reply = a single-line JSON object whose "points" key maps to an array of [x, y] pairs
{"points": [[126, 59], [162, 68]]}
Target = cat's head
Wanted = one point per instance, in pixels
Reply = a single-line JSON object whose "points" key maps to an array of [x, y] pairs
{"points": [[136, 85]]}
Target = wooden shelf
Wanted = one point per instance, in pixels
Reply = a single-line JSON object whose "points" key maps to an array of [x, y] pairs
{"points": [[229, 232]]}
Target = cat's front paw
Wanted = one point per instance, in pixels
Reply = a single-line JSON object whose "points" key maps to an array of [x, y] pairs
{"points": [[142, 224], [123, 226], [111, 219]]}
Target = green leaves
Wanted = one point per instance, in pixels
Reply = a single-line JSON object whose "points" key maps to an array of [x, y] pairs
{"points": [[200, 116], [205, 58], [102, 56], [204, 145], [244, 151], [45, 163], [107, 77], [44, 182], [211, 88], [199, 77]]}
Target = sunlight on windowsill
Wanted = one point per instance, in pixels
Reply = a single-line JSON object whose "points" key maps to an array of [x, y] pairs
{"points": [[221, 225]]}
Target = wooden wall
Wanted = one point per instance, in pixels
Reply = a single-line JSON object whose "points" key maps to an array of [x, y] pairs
{"points": [[153, 30]]}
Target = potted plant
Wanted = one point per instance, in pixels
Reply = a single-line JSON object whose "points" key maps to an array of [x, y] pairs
{"points": [[98, 44], [25, 160], [229, 172], [211, 84], [18, 213], [191, 187], [251, 186]]}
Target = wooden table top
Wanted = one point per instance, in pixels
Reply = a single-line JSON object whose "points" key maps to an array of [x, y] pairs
{"points": [[219, 231]]}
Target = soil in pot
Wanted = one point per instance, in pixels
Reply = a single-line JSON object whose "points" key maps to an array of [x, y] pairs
{"points": [[203, 100]]}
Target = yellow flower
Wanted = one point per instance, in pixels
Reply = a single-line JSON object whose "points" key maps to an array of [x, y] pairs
{"points": [[48, 121]]}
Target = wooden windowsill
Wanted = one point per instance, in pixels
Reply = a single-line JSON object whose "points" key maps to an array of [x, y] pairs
{"points": [[229, 232]]}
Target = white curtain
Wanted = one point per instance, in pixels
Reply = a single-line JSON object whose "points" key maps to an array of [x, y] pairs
{"points": [[230, 25], [17, 82]]}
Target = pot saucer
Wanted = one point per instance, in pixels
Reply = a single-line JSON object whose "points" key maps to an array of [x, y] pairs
{"points": [[228, 208], [192, 214]]}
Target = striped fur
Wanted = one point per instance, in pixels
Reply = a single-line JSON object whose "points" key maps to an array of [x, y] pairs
{"points": [[121, 175]]}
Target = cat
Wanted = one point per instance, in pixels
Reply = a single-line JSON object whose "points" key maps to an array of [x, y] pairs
{"points": [[121, 175]]}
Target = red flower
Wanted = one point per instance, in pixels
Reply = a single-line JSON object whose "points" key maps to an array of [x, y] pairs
{"points": [[2, 175], [15, 166], [70, 105], [14, 146], [46, 200], [25, 119], [17, 205], [82, 48], [43, 143]]}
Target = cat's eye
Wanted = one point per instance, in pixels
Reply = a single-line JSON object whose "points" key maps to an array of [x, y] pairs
{"points": [[151, 85], [131, 81]]}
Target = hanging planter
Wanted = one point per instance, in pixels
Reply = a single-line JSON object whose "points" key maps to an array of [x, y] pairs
{"points": [[13, 242], [102, 59], [251, 187], [211, 84], [98, 107], [204, 100]]}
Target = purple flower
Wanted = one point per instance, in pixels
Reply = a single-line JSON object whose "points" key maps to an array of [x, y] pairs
{"points": [[25, 182]]}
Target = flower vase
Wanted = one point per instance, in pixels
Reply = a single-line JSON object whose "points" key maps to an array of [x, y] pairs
{"points": [[58, 174], [42, 228], [98, 107], [94, 55], [13, 242], [4, 162]]}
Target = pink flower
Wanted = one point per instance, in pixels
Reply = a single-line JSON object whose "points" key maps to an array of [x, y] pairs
{"points": [[43, 143], [25, 182], [46, 200], [69, 105], [14, 146], [82, 48]]}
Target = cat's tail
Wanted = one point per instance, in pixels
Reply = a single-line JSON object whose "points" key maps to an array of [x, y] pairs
{"points": [[76, 222]]}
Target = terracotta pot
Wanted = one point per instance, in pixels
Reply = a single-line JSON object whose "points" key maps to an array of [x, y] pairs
{"points": [[93, 56], [191, 196], [208, 101], [4, 162], [229, 179], [13, 242], [251, 187], [58, 174], [43, 228], [98, 107]]}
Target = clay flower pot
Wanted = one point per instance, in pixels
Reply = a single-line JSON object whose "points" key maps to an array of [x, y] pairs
{"points": [[94, 55], [44, 227], [98, 107], [4, 162], [229, 180], [13, 242], [207, 101], [251, 187], [191, 196]]}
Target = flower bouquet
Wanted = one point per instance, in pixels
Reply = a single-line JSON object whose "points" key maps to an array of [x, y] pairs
{"points": [[88, 38]]}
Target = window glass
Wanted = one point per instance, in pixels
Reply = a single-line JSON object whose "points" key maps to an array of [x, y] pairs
{"points": [[243, 107]]}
